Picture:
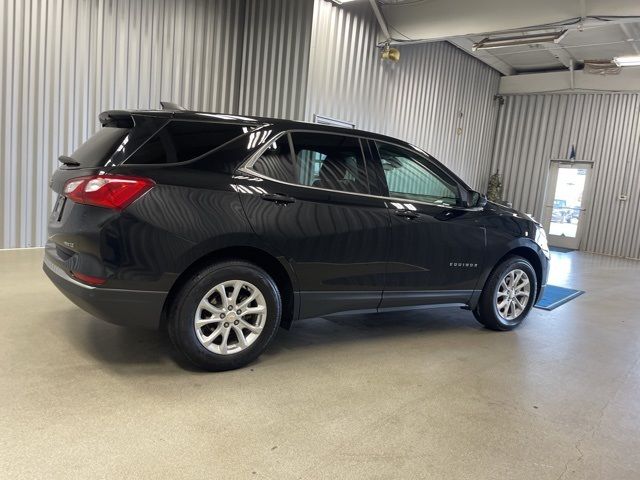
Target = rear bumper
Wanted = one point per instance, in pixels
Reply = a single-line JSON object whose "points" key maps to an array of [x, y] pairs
{"points": [[133, 308]]}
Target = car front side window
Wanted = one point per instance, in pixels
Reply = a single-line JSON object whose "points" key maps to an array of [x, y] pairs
{"points": [[409, 177]]}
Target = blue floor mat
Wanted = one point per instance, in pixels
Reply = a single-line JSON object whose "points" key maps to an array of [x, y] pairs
{"points": [[561, 249], [555, 296]]}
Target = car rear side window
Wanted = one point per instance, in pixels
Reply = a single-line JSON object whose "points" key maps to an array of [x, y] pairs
{"points": [[275, 162], [321, 160], [180, 141], [333, 162], [100, 147]]}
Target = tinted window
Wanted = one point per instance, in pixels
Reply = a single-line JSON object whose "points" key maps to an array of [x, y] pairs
{"points": [[180, 141], [275, 162], [329, 161], [225, 159], [98, 149], [410, 176], [144, 128]]}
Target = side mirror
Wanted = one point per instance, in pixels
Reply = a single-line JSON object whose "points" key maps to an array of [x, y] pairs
{"points": [[476, 199]]}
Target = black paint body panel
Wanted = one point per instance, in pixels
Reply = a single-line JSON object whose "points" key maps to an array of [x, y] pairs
{"points": [[340, 251], [335, 242]]}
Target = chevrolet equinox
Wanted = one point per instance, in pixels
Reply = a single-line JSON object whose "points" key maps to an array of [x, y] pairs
{"points": [[224, 227]]}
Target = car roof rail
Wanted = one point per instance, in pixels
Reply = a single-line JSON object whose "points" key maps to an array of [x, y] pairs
{"points": [[170, 106]]}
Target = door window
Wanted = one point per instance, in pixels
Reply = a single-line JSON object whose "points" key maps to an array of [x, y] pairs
{"points": [[409, 176], [333, 162], [320, 160]]}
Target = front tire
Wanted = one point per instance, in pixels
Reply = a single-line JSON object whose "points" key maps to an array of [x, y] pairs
{"points": [[225, 315], [508, 295]]}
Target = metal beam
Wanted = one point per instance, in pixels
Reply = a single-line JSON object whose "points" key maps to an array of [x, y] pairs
{"points": [[627, 81], [466, 45], [562, 55], [381, 21], [440, 19]]}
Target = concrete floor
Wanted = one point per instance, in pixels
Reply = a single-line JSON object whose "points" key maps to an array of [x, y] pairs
{"points": [[418, 395]]}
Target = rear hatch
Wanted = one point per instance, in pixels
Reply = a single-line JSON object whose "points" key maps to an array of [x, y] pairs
{"points": [[122, 132], [90, 157], [68, 233], [107, 147]]}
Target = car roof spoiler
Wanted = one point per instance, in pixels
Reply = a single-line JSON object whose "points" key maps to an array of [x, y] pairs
{"points": [[116, 118], [124, 118], [170, 106]]}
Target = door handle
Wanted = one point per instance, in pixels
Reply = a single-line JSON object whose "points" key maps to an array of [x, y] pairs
{"points": [[410, 214], [278, 198]]}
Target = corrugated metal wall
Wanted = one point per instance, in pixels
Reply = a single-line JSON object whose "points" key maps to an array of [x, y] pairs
{"points": [[605, 128], [436, 97], [64, 61], [275, 58], [346, 77]]}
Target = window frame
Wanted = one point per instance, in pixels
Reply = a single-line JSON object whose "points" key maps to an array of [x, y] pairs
{"points": [[371, 185], [430, 166], [375, 173], [165, 124]]}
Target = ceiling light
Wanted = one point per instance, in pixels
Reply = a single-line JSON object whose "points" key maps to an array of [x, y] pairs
{"points": [[499, 42], [340, 2], [630, 61], [390, 53]]}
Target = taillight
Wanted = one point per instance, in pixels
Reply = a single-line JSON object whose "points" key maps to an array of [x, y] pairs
{"points": [[90, 279], [108, 191]]}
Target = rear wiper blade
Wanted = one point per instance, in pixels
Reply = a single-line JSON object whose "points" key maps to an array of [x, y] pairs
{"points": [[68, 161]]}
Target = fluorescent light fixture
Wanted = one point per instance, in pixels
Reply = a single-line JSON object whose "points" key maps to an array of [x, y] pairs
{"points": [[499, 42], [340, 2], [630, 61]]}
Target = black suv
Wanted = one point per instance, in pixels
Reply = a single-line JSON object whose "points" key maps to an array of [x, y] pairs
{"points": [[225, 227]]}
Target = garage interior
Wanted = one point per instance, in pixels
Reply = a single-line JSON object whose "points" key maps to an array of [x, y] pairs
{"points": [[424, 394]]}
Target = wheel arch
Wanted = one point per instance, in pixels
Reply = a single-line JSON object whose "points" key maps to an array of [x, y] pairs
{"points": [[524, 248], [529, 255], [275, 267]]}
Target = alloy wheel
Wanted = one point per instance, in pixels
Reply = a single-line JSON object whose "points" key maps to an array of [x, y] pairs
{"points": [[513, 294], [230, 317]]}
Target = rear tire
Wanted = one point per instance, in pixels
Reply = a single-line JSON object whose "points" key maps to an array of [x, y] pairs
{"points": [[508, 295], [217, 333]]}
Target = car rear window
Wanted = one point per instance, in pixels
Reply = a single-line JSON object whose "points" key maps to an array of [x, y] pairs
{"points": [[100, 147], [180, 141]]}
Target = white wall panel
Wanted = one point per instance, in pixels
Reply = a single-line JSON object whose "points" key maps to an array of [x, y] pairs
{"points": [[605, 128], [275, 58], [66, 61], [346, 78], [436, 96]]}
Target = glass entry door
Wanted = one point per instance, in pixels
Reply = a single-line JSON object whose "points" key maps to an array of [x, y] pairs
{"points": [[565, 209]]}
